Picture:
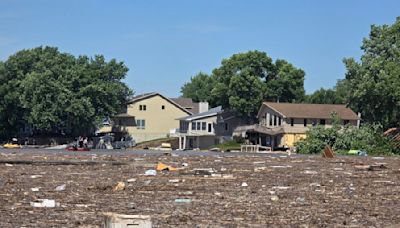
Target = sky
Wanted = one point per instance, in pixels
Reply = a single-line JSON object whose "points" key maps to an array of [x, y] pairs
{"points": [[164, 43]]}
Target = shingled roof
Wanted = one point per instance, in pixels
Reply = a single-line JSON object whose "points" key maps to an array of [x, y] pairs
{"points": [[312, 111], [187, 103]]}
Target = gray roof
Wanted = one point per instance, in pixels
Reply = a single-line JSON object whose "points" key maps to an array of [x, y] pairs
{"points": [[187, 103], [211, 112]]}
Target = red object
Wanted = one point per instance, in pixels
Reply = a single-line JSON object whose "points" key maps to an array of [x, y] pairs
{"points": [[71, 148]]}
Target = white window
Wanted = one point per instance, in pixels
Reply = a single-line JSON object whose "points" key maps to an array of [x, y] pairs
{"points": [[140, 124], [203, 126]]}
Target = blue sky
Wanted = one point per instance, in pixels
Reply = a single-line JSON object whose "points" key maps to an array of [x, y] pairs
{"points": [[164, 43]]}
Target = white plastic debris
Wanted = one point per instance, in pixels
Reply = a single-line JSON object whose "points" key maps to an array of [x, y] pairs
{"points": [[150, 172], [131, 180], [274, 198], [61, 187], [35, 189], [9, 165], [44, 203], [35, 176], [310, 172], [281, 187], [244, 184]]}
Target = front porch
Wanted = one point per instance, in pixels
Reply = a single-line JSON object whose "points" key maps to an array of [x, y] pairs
{"points": [[261, 135]]}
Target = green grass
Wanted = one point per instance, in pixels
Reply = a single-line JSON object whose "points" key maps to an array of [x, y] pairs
{"points": [[230, 145]]}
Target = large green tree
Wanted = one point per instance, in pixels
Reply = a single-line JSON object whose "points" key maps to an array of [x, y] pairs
{"points": [[244, 80], [53, 91], [375, 80], [198, 88], [285, 83]]}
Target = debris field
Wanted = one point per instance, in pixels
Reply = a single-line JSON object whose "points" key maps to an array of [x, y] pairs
{"points": [[42, 190]]}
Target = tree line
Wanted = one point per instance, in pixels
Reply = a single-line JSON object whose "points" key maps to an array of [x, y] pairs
{"points": [[57, 93], [371, 86]]}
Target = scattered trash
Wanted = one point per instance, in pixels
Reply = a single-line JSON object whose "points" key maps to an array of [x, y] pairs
{"points": [[174, 181], [223, 169], [44, 203], [164, 167], [280, 166], [9, 165], [131, 180], [61, 187], [357, 152], [119, 187], [35, 189], [370, 167], [203, 171], [113, 220], [310, 172], [35, 176], [378, 158], [274, 198], [281, 187], [215, 149], [244, 184], [185, 164], [328, 152], [183, 200], [150, 172], [300, 199]]}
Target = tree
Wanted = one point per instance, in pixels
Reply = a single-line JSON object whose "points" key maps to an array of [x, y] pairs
{"points": [[253, 63], [244, 80], [198, 88], [54, 92], [375, 80], [285, 83], [337, 95]]}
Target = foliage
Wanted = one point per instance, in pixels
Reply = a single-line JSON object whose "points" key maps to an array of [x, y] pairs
{"points": [[228, 146], [198, 88], [375, 81], [286, 83], [56, 92], [244, 80], [368, 138], [336, 95]]}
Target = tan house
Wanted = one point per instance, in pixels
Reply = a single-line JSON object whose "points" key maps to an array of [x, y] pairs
{"points": [[283, 124], [154, 115]]}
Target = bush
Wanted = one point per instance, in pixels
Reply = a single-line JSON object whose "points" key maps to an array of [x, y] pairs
{"points": [[368, 138]]}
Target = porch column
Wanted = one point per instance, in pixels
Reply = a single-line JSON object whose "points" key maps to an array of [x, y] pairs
{"points": [[259, 139], [198, 141], [180, 143], [184, 142]]}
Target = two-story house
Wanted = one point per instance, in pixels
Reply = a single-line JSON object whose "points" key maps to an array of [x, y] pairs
{"points": [[283, 124], [154, 115], [206, 129]]}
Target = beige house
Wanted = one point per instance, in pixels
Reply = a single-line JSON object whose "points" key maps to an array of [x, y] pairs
{"points": [[153, 116], [283, 124]]}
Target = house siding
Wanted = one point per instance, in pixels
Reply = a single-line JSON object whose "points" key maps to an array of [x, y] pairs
{"points": [[158, 121]]}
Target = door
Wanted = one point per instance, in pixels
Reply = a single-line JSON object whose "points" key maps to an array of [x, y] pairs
{"points": [[209, 127]]}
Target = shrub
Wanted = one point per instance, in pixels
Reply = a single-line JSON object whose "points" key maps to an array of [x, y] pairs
{"points": [[368, 138]]}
